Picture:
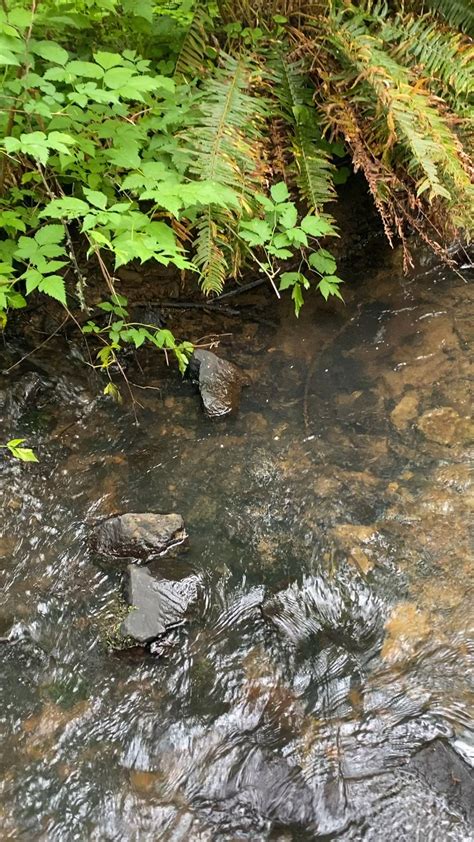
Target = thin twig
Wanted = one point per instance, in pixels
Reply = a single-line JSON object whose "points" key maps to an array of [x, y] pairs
{"points": [[237, 291], [30, 353]]}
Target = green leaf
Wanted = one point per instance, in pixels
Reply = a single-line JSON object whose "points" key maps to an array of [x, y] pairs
{"points": [[297, 236], [60, 141], [96, 198], [298, 299], [108, 60], [25, 454], [50, 51], [289, 215], [16, 300], [10, 219], [7, 58], [21, 18], [139, 8], [255, 231], [289, 279], [53, 285], [164, 339], [68, 208], [117, 77], [34, 144], [322, 261], [33, 279], [85, 69], [279, 192], [126, 157], [113, 391], [50, 234], [330, 286], [317, 227]]}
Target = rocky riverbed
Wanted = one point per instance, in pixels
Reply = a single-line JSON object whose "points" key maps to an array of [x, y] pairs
{"points": [[315, 678]]}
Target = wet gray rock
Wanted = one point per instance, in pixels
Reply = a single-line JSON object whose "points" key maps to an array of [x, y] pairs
{"points": [[158, 604], [21, 395], [220, 383], [139, 536], [447, 775]]}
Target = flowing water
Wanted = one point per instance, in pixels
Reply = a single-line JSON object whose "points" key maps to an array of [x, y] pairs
{"points": [[323, 687]]}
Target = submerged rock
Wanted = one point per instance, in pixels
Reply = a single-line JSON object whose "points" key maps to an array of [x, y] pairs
{"points": [[139, 536], [220, 383], [445, 426], [405, 411], [346, 611], [157, 604], [447, 774], [22, 395]]}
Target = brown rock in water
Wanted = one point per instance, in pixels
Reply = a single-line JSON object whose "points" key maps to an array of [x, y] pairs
{"points": [[445, 426], [405, 411], [139, 536], [220, 383]]}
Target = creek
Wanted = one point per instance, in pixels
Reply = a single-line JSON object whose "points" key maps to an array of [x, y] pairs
{"points": [[322, 689]]}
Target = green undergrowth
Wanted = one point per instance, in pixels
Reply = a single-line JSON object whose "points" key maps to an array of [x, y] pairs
{"points": [[210, 137]]}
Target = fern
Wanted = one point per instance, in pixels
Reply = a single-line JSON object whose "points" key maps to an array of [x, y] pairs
{"points": [[445, 59], [458, 13], [312, 167], [191, 61], [416, 133], [224, 148], [210, 247]]}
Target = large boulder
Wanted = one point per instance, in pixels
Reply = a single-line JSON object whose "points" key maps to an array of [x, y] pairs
{"points": [[139, 536], [220, 382], [157, 603]]}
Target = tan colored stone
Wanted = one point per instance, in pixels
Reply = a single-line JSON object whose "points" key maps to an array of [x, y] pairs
{"points": [[444, 425], [406, 628], [357, 542], [405, 411]]}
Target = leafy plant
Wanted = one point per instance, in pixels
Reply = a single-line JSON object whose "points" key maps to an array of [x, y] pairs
{"points": [[208, 136], [15, 448]]}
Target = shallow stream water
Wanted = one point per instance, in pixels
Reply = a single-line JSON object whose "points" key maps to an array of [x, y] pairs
{"points": [[323, 687]]}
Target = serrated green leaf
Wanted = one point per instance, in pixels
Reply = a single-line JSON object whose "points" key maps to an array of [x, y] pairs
{"points": [[34, 144], [126, 157], [330, 286], [8, 58], [289, 216], [50, 51], [279, 192], [317, 227], [297, 236], [25, 454], [108, 60], [297, 296], [322, 261], [68, 208], [53, 285], [289, 279], [16, 300], [33, 279], [50, 234], [10, 219], [96, 198], [117, 77], [85, 69]]}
